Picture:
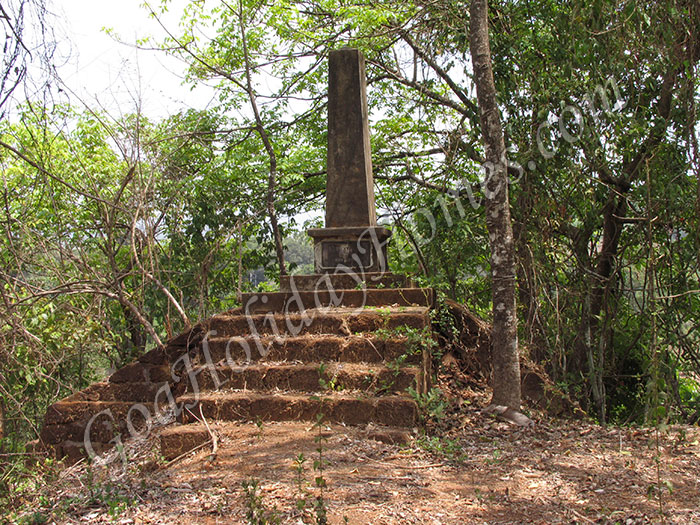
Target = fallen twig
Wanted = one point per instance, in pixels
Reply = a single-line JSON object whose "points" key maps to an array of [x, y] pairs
{"points": [[186, 453], [405, 467], [214, 439]]}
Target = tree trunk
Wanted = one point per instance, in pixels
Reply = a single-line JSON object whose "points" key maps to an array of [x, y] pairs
{"points": [[259, 126], [505, 358], [528, 293], [2, 423], [203, 286], [137, 337], [603, 281]]}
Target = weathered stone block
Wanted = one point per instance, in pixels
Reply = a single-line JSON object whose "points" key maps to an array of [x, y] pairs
{"points": [[141, 373], [178, 440]]}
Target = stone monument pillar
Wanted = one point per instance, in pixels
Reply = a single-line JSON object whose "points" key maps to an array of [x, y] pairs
{"points": [[351, 239]]}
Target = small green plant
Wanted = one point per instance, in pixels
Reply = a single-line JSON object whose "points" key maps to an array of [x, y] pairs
{"points": [[385, 315], [160, 459], [656, 490], [320, 509], [327, 383], [110, 497], [300, 481], [256, 513], [495, 458], [442, 317], [319, 466], [261, 428], [387, 384], [106, 495], [431, 405], [35, 518], [23, 494], [448, 449], [396, 364], [117, 504], [417, 339]]}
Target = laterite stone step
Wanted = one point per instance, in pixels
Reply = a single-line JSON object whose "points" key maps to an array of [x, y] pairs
{"points": [[65, 412], [305, 300], [177, 440], [264, 365], [305, 377], [108, 391], [396, 411], [355, 348], [332, 321], [68, 420], [343, 281]]}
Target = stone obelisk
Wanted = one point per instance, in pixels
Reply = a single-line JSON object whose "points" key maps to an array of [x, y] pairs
{"points": [[351, 239]]}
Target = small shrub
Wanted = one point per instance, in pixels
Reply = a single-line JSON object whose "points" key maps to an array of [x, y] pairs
{"points": [[431, 405], [256, 513]]}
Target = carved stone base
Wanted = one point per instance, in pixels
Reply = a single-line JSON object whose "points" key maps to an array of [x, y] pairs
{"points": [[360, 249], [348, 280]]}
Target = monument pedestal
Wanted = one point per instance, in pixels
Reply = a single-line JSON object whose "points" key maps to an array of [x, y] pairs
{"points": [[348, 280], [358, 249]]}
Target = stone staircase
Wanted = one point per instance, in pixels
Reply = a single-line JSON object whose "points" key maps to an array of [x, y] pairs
{"points": [[350, 363], [284, 356]]}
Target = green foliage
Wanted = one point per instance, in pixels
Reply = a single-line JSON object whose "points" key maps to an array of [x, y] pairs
{"points": [[256, 513], [29, 483], [325, 382], [109, 496], [19, 477], [431, 404], [689, 390], [300, 481], [96, 237], [318, 503], [319, 467], [417, 340], [449, 449], [299, 253]]}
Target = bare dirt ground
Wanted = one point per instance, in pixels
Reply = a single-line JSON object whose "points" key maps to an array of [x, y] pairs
{"points": [[479, 471]]}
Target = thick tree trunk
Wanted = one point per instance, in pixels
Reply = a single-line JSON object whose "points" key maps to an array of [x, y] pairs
{"points": [[506, 362]]}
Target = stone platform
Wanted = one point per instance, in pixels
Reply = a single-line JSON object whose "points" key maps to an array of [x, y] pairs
{"points": [[305, 300], [352, 365], [349, 280]]}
